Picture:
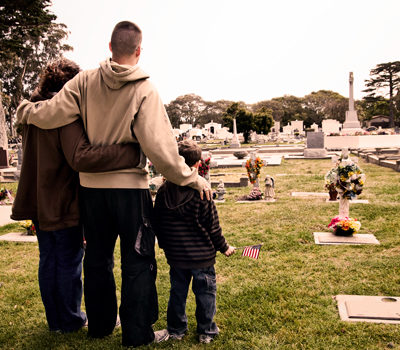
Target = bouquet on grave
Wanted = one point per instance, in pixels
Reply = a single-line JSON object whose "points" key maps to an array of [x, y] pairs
{"points": [[29, 226], [152, 170], [204, 166], [5, 195], [254, 195], [344, 226], [254, 169], [346, 177]]}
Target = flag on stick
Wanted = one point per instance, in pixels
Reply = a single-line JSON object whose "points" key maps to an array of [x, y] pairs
{"points": [[252, 251]]}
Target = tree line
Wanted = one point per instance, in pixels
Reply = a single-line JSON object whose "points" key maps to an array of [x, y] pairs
{"points": [[30, 37]]}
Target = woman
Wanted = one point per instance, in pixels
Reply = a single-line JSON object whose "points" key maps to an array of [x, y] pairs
{"points": [[48, 195]]}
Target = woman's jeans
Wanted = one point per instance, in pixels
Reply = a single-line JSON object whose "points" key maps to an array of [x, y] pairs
{"points": [[205, 289], [60, 277]]}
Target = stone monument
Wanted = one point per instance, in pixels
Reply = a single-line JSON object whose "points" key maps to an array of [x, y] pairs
{"points": [[220, 191], [351, 121], [269, 189], [315, 145], [235, 140]]}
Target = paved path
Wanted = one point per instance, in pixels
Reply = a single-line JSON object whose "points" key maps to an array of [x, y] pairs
{"points": [[18, 237], [5, 212]]}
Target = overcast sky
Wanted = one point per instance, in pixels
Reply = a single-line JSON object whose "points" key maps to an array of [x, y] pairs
{"points": [[239, 50]]}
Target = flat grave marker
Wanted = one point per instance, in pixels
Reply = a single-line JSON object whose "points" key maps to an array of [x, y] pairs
{"points": [[325, 238], [257, 201], [365, 308], [310, 194], [352, 201]]}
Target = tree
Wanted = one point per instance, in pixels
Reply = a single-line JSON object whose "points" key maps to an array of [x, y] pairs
{"points": [[384, 77], [263, 121], [284, 109], [3, 132], [324, 104], [244, 120], [213, 111], [29, 39], [373, 107], [185, 109]]}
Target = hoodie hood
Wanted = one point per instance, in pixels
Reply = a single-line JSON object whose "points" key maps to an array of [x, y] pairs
{"points": [[117, 75], [175, 196]]}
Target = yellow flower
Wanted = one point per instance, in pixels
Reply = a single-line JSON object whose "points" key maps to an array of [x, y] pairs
{"points": [[26, 223]]}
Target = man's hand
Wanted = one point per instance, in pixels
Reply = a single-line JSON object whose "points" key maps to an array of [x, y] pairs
{"points": [[230, 251], [204, 187]]}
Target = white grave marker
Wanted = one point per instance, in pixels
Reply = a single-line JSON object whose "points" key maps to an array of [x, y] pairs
{"points": [[363, 308], [323, 238]]}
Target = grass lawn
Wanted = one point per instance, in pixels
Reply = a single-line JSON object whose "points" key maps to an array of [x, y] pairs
{"points": [[283, 300]]}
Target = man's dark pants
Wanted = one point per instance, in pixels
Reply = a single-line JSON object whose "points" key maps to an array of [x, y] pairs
{"points": [[107, 214]]}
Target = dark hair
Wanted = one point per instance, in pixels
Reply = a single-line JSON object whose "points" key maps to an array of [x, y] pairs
{"points": [[125, 39], [55, 75], [190, 151]]}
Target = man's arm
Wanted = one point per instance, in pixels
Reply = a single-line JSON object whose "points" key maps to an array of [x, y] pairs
{"points": [[82, 156], [153, 130], [61, 110]]}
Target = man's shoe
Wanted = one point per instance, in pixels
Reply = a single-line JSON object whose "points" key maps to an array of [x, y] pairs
{"points": [[160, 336], [174, 336], [205, 338]]}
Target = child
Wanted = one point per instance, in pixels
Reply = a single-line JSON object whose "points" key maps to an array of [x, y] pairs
{"points": [[188, 230]]}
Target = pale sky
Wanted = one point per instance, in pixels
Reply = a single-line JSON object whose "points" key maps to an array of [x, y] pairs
{"points": [[239, 50]]}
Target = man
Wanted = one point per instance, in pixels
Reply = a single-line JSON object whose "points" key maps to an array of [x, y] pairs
{"points": [[118, 104]]}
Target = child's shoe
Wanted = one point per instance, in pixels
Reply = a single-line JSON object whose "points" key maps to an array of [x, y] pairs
{"points": [[205, 338], [174, 336]]}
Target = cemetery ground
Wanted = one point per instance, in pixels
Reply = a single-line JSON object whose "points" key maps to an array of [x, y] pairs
{"points": [[283, 300]]}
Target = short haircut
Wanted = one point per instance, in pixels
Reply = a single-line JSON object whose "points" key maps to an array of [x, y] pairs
{"points": [[190, 151], [55, 75], [125, 39]]}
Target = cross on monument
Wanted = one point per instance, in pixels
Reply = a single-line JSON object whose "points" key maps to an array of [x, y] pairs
{"points": [[351, 121]]}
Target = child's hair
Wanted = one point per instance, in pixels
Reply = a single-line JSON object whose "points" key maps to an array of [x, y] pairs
{"points": [[55, 75], [190, 151]]}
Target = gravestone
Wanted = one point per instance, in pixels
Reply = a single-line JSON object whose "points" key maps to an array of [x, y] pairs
{"points": [[351, 123], [365, 308], [235, 143], [3, 158], [315, 145], [310, 194], [19, 155], [326, 238], [330, 126]]}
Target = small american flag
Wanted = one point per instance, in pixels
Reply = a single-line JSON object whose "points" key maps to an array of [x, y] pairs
{"points": [[252, 251]]}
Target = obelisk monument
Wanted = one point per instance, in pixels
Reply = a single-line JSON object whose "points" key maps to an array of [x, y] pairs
{"points": [[235, 140], [351, 121]]}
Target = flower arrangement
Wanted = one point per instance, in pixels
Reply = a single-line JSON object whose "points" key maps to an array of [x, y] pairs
{"points": [[29, 226], [344, 226], [254, 195], [5, 195], [152, 170], [346, 177], [253, 168], [204, 166]]}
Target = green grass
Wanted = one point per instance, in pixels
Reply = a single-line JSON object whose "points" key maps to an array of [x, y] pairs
{"points": [[283, 300]]}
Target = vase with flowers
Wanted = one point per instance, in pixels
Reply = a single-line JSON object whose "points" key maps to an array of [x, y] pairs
{"points": [[204, 168], [344, 226], [29, 226]]}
